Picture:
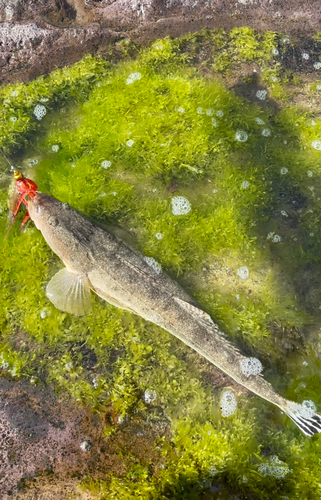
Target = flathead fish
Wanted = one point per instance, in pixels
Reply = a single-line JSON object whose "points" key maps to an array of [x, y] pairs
{"points": [[96, 260]]}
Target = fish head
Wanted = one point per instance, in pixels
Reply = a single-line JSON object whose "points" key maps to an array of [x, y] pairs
{"points": [[64, 229], [45, 211]]}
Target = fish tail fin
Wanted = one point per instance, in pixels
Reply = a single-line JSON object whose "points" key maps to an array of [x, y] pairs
{"points": [[308, 421]]}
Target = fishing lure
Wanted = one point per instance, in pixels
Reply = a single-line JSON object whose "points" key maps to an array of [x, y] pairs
{"points": [[25, 188]]}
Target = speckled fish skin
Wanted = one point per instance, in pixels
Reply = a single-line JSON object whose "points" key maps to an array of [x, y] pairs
{"points": [[121, 276]]}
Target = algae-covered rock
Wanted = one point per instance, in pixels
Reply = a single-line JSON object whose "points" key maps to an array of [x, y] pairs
{"points": [[212, 171]]}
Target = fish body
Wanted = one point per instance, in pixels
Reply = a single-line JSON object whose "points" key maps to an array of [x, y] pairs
{"points": [[96, 260]]}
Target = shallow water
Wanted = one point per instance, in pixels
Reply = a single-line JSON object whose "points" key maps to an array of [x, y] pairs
{"points": [[212, 170]]}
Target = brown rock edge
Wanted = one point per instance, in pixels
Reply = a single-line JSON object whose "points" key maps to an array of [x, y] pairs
{"points": [[37, 36]]}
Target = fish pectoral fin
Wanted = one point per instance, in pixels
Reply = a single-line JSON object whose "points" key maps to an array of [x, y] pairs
{"points": [[70, 292]]}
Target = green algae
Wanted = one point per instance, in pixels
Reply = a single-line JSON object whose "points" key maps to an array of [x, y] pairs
{"points": [[127, 139]]}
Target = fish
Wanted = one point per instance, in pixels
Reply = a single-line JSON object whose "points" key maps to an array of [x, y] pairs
{"points": [[97, 261]]}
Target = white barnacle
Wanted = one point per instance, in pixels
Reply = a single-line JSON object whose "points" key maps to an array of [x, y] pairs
{"points": [[260, 121], [106, 164], [200, 110], [133, 77], [266, 132], [316, 144], [284, 213], [214, 122], [245, 184], [55, 148], [243, 273], [159, 236], [220, 113], [261, 94], [228, 403], [14, 93], [276, 238], [153, 264], [40, 111], [275, 52], [180, 205], [210, 112], [13, 119], [181, 109], [129, 143], [251, 366], [317, 65], [274, 78], [284, 170], [305, 56], [149, 396], [44, 99], [241, 136], [309, 173]]}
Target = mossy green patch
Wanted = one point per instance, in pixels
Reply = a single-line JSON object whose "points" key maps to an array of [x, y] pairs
{"points": [[125, 144]]}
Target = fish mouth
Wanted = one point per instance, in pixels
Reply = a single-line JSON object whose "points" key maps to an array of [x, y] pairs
{"points": [[37, 208], [41, 200], [34, 205]]}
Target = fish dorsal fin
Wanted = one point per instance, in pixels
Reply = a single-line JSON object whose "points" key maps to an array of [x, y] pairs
{"points": [[200, 315], [206, 321], [70, 292]]}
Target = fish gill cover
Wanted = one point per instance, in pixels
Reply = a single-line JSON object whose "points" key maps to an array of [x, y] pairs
{"points": [[198, 152]]}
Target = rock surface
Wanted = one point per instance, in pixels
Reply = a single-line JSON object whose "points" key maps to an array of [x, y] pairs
{"points": [[49, 444], [37, 36], [41, 437]]}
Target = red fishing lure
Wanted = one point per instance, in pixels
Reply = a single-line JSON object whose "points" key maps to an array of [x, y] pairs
{"points": [[26, 188]]}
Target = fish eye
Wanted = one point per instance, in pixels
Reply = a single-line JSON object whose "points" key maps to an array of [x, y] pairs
{"points": [[53, 221]]}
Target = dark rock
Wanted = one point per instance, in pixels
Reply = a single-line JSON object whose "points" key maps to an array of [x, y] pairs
{"points": [[40, 434], [37, 36]]}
